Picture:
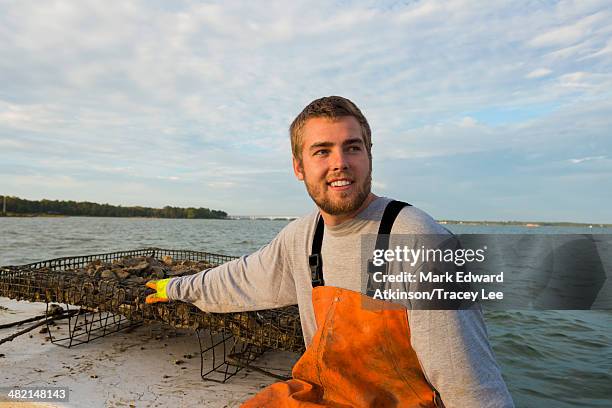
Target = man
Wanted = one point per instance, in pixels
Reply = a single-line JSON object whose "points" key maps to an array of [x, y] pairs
{"points": [[354, 356]]}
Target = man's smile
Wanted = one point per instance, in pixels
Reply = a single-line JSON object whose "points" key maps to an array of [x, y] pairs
{"points": [[340, 184]]}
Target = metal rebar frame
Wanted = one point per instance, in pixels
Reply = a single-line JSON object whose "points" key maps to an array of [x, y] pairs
{"points": [[87, 325], [111, 305], [214, 363]]}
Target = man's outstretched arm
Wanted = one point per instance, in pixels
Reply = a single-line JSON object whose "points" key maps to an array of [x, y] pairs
{"points": [[261, 280]]}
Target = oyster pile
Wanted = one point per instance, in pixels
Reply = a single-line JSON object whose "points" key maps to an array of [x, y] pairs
{"points": [[99, 284], [118, 286], [139, 270]]}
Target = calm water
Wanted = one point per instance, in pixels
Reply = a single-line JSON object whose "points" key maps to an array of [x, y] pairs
{"points": [[550, 358]]}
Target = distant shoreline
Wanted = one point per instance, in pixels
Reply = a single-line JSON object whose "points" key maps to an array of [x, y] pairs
{"points": [[44, 215], [528, 224], [19, 215], [20, 207]]}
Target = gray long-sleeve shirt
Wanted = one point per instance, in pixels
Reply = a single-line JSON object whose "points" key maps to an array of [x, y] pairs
{"points": [[451, 345]]}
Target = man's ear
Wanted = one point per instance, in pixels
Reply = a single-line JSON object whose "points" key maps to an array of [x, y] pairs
{"points": [[298, 169]]}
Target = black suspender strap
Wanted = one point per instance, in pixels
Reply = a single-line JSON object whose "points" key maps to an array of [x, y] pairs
{"points": [[382, 242], [386, 223], [315, 261]]}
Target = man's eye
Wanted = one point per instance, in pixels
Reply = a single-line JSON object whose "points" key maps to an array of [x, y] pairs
{"points": [[354, 148], [321, 152]]}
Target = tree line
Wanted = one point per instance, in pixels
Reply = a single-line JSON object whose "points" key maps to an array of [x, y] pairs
{"points": [[17, 206]]}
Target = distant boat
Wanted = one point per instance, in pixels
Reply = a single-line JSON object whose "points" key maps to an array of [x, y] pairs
{"points": [[532, 225]]}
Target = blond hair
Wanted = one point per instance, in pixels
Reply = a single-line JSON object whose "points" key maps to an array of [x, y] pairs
{"points": [[331, 107]]}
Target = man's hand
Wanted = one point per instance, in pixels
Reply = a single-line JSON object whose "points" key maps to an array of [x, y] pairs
{"points": [[160, 287]]}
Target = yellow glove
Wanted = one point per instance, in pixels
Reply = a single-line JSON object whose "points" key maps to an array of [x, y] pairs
{"points": [[160, 287]]}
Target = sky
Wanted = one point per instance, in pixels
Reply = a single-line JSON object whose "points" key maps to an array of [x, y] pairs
{"points": [[479, 110]]}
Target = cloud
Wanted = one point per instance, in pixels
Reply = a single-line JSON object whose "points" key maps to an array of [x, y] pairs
{"points": [[378, 185], [606, 50], [197, 97], [419, 11], [594, 82], [584, 159], [468, 122], [539, 73], [570, 34]]}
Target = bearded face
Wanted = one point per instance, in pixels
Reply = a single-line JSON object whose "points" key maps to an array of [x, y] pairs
{"points": [[335, 165], [342, 194]]}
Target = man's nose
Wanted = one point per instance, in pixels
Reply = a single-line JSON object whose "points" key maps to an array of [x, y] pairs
{"points": [[339, 161]]}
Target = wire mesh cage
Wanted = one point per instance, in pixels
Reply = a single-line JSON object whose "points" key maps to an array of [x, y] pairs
{"points": [[98, 285]]}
